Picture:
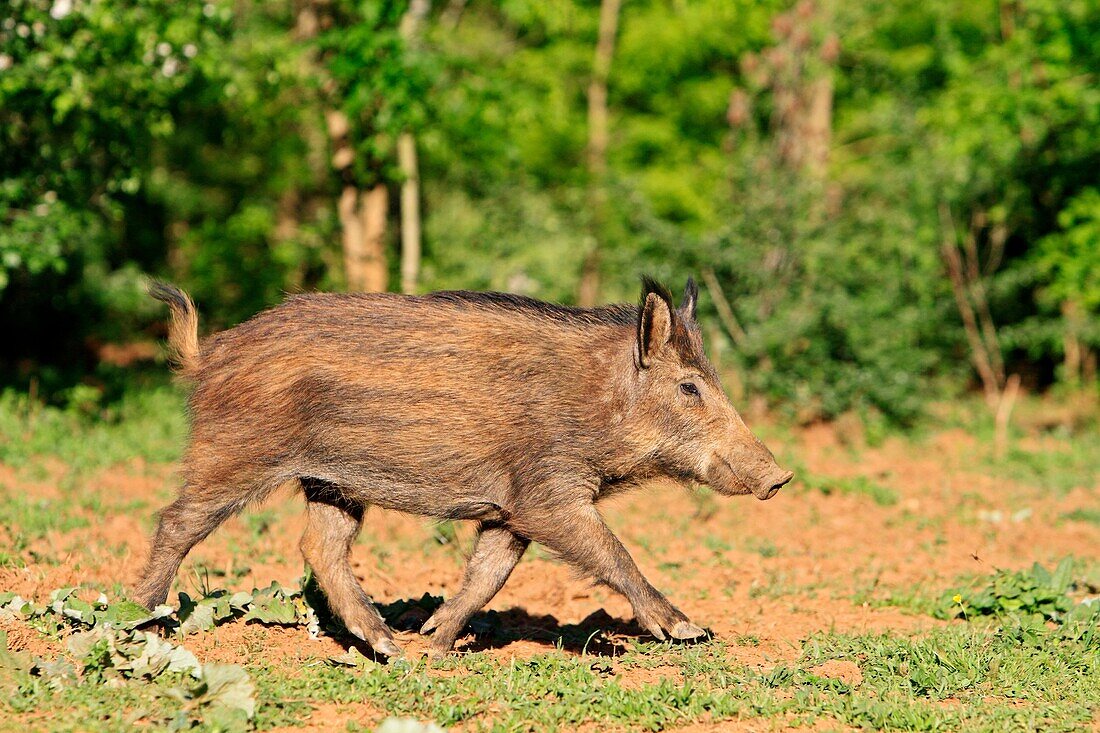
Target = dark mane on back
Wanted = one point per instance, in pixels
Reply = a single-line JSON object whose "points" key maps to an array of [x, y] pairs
{"points": [[621, 315]]}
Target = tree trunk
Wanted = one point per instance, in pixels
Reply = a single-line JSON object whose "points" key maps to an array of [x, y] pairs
{"points": [[406, 161], [410, 213], [1006, 10], [589, 288], [453, 14], [362, 216], [363, 221], [818, 126], [1078, 365]]}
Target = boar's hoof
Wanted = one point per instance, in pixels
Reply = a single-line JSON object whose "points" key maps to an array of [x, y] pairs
{"points": [[384, 646], [430, 625], [439, 652], [687, 630], [387, 647]]}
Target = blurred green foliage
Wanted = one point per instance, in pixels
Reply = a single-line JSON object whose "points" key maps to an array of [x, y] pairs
{"points": [[1036, 596], [86, 437], [189, 141]]}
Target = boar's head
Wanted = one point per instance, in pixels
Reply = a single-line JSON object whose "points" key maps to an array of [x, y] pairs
{"points": [[680, 409]]}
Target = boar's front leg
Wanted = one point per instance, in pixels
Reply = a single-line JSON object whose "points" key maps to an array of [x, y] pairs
{"points": [[579, 536], [333, 524], [495, 555]]}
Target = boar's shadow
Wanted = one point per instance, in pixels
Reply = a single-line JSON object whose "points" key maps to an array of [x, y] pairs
{"points": [[598, 634]]}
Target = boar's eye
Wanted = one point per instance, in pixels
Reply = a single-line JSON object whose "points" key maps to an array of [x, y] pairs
{"points": [[689, 389]]}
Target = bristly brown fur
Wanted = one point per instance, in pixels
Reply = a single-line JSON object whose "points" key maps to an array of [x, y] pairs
{"points": [[611, 314], [183, 328], [489, 407], [649, 285]]}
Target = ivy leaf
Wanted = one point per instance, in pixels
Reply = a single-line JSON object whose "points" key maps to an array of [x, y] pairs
{"points": [[180, 659], [240, 600], [58, 673], [15, 607], [195, 617], [1062, 578], [273, 605], [228, 686], [129, 615], [64, 603], [80, 645], [155, 657]]}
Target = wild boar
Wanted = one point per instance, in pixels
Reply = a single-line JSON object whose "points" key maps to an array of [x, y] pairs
{"points": [[517, 414]]}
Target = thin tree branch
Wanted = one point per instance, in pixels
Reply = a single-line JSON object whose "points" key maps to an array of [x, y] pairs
{"points": [[977, 291], [725, 311], [1004, 411], [979, 353]]}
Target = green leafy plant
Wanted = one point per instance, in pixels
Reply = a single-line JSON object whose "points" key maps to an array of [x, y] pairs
{"points": [[109, 648], [1029, 595]]}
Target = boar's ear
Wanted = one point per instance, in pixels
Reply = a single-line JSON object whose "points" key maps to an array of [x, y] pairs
{"points": [[691, 299], [655, 321]]}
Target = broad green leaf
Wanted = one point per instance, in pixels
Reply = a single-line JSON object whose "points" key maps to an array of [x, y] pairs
{"points": [[229, 686]]}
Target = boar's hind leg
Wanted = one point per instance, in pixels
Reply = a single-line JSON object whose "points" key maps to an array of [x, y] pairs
{"points": [[333, 523], [496, 554], [580, 537], [183, 524]]}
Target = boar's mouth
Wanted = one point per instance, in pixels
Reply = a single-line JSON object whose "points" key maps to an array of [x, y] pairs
{"points": [[726, 480], [734, 482]]}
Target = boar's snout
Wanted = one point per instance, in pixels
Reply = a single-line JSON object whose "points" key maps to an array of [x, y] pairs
{"points": [[772, 486], [734, 477], [747, 467]]}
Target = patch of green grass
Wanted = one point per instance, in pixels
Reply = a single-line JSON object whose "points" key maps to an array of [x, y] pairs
{"points": [[852, 486], [959, 678], [259, 521], [1091, 516], [779, 584], [86, 436], [962, 677], [83, 707], [1017, 598], [1066, 459], [763, 547], [1074, 464], [716, 544], [33, 518], [12, 558], [27, 519], [913, 600], [554, 691]]}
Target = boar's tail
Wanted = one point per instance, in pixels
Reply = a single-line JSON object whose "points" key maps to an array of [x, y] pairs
{"points": [[183, 328]]}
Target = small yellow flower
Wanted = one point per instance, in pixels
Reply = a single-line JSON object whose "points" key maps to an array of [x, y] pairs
{"points": [[957, 598]]}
